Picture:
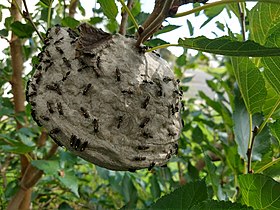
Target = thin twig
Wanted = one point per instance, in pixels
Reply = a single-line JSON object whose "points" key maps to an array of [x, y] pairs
{"points": [[27, 16], [242, 20], [72, 7], [250, 150], [2, 37], [129, 14], [125, 17], [217, 3]]}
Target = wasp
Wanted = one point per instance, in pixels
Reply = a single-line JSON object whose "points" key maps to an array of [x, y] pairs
{"points": [[130, 92], [77, 144], [57, 142], [98, 61], [86, 89], [54, 87], [147, 135], [65, 77], [83, 146], [139, 158], [73, 140], [118, 74], [33, 93], [176, 148], [47, 53], [168, 155], [33, 86], [49, 106], [95, 125], [67, 62], [32, 103], [57, 28], [146, 102], [47, 41], [59, 40], [151, 166], [59, 107], [55, 131], [38, 77], [120, 119], [72, 33], [59, 50], [144, 122], [96, 71], [142, 147], [45, 118], [131, 170], [48, 63], [33, 114], [167, 79], [84, 112]]}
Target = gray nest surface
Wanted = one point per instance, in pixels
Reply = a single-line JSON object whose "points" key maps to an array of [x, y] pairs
{"points": [[105, 101]]}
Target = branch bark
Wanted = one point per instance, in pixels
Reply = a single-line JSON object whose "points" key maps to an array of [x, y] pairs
{"points": [[124, 18], [72, 7], [18, 91]]}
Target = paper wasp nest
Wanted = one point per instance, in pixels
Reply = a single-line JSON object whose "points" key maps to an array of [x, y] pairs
{"points": [[105, 101]]}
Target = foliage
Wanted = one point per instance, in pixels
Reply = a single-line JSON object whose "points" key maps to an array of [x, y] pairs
{"points": [[229, 156]]}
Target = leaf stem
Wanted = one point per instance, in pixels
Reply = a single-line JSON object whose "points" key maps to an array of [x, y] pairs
{"points": [[242, 10], [129, 14], [268, 165], [277, 104], [49, 14], [252, 136], [27, 16], [206, 6], [124, 14], [162, 46]]}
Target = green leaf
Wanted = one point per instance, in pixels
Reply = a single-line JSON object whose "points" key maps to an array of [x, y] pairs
{"points": [[95, 20], [70, 181], [129, 191], [212, 13], [155, 189], [184, 197], [250, 82], [4, 32], [259, 191], [22, 30], [241, 125], [220, 205], [166, 29], [262, 144], [46, 3], [109, 8], [50, 167], [181, 60], [14, 146], [214, 178], [70, 22], [191, 28], [227, 46], [262, 17], [272, 100], [275, 129], [272, 64]]}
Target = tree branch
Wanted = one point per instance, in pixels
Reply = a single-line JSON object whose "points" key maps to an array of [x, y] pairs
{"points": [[250, 150], [125, 18], [31, 176], [72, 8]]}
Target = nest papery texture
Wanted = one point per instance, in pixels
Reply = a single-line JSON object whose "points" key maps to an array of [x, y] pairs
{"points": [[105, 101]]}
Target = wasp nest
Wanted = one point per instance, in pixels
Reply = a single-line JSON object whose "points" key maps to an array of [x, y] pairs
{"points": [[105, 101]]}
